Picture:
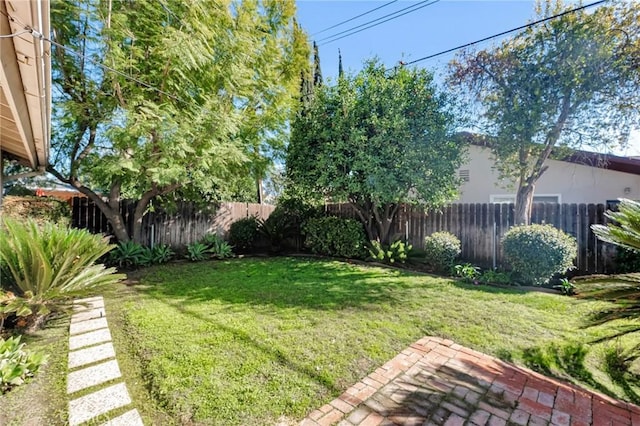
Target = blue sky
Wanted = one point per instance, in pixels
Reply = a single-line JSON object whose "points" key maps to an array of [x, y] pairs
{"points": [[440, 26]]}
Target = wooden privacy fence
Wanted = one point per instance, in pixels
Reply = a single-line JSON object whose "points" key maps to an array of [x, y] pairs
{"points": [[183, 225], [480, 228]]}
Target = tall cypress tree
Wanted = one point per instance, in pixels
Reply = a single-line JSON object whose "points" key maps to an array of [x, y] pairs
{"points": [[340, 70], [317, 73]]}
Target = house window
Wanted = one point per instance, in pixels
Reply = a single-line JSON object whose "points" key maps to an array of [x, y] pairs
{"points": [[539, 198]]}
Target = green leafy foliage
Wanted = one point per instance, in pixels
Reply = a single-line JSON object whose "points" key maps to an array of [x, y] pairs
{"points": [[48, 264], [16, 363], [276, 229], [129, 254], [243, 233], [626, 260], [197, 252], [624, 231], [160, 253], [39, 209], [570, 82], [334, 236], [10, 304], [468, 272], [283, 227], [377, 139], [491, 276], [217, 246], [220, 83], [441, 249], [566, 287], [398, 251], [537, 252]]}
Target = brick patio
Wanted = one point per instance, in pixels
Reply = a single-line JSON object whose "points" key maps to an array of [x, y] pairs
{"points": [[438, 382]]}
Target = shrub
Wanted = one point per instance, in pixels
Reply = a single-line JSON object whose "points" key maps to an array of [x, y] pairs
{"points": [[441, 249], [334, 236], [39, 209], [468, 272], [626, 260], [197, 252], [243, 233], [16, 363], [491, 276], [129, 254], [159, 254], [397, 251], [537, 252], [50, 263], [218, 247], [283, 228]]}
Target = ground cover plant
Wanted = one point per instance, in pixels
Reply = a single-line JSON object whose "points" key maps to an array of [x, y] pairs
{"points": [[262, 341]]}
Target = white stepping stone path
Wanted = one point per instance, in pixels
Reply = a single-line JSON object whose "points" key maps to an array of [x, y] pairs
{"points": [[93, 366]]}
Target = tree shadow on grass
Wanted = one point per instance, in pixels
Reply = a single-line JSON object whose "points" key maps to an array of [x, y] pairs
{"points": [[624, 293], [273, 352], [281, 283]]}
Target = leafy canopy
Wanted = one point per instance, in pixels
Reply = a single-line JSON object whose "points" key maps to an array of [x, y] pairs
{"points": [[573, 81], [376, 139], [212, 88]]}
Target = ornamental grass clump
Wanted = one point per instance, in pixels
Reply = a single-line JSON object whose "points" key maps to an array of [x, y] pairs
{"points": [[537, 252], [47, 264]]}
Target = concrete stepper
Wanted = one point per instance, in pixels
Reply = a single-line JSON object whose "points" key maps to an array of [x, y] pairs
{"points": [[93, 364]]}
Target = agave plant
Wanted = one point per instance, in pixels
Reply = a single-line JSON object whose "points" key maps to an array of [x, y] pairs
{"points": [[50, 263]]}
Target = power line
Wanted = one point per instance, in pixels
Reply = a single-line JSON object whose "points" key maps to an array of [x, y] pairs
{"points": [[108, 68], [15, 34], [375, 22], [36, 34], [531, 24], [355, 17]]}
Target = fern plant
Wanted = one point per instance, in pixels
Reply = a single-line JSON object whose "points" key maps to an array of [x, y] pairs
{"points": [[48, 264]]}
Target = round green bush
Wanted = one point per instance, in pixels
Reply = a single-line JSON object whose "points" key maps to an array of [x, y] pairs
{"points": [[537, 252], [243, 233], [441, 249], [334, 236]]}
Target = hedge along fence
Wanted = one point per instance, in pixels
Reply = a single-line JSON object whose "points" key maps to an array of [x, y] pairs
{"points": [[178, 227], [480, 228]]}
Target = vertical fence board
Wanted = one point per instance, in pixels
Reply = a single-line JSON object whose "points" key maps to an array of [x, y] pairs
{"points": [[480, 227]]}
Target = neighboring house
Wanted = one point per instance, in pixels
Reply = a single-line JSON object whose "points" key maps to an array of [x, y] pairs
{"points": [[583, 177], [25, 84]]}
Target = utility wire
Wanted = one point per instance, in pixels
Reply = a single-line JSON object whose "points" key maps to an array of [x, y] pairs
{"points": [[38, 35], [531, 24], [108, 68], [375, 22], [354, 18], [15, 34]]}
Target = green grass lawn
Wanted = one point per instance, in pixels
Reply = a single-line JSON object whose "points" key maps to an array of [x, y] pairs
{"points": [[262, 341]]}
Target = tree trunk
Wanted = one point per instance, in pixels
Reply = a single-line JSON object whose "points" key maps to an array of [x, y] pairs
{"points": [[111, 208], [524, 203]]}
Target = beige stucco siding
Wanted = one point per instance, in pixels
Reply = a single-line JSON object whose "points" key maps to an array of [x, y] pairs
{"points": [[574, 182]]}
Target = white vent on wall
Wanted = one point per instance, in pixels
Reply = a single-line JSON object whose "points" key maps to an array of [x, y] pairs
{"points": [[464, 175]]}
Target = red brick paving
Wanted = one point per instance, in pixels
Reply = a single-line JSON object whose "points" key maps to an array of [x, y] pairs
{"points": [[437, 382]]}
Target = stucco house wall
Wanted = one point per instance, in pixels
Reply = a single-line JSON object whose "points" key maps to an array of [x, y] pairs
{"points": [[572, 183]]}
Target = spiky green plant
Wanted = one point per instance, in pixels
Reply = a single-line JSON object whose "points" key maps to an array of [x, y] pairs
{"points": [[625, 231], [50, 263]]}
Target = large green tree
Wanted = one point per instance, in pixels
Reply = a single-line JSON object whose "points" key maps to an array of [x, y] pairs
{"points": [[573, 81], [377, 139], [213, 83]]}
